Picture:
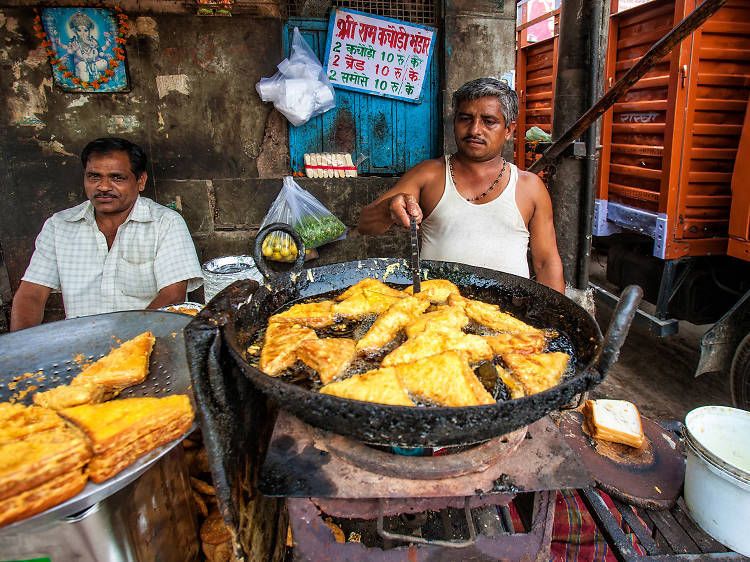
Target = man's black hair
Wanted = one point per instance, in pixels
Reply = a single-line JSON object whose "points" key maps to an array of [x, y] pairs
{"points": [[107, 145]]}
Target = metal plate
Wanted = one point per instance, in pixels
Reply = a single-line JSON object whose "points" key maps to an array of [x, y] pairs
{"points": [[49, 355], [650, 477]]}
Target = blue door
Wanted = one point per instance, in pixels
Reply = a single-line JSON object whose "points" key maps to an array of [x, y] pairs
{"points": [[389, 136]]}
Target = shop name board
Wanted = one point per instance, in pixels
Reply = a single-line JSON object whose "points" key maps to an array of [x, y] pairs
{"points": [[378, 55]]}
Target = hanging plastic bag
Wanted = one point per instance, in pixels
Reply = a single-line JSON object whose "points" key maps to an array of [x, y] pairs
{"points": [[300, 89], [309, 217]]}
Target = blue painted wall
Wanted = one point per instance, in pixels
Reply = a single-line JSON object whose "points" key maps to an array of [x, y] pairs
{"points": [[393, 135]]}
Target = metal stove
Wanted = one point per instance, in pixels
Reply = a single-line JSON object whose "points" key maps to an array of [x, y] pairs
{"points": [[397, 507]]}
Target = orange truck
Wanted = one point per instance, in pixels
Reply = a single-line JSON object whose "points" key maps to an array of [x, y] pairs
{"points": [[673, 190]]}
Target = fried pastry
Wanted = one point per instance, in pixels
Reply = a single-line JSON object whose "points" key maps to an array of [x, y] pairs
{"points": [[379, 385], [279, 348], [109, 463], [328, 356], [537, 371], [387, 325], [367, 301], [372, 285], [491, 316], [115, 424], [446, 379], [18, 421], [29, 462], [438, 289], [69, 395], [122, 367], [446, 316], [42, 497], [438, 340], [311, 315], [516, 343]]}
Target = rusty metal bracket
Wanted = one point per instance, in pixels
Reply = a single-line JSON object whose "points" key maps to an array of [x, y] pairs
{"points": [[434, 542]]}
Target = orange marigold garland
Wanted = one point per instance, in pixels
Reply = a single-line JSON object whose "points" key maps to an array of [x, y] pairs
{"points": [[122, 31]]}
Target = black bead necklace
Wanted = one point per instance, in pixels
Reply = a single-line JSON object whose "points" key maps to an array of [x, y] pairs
{"points": [[494, 183]]}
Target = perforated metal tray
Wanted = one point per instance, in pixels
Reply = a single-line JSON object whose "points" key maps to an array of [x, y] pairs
{"points": [[49, 355]]}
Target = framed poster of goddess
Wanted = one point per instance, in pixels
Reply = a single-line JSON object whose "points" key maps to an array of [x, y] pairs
{"points": [[85, 47]]}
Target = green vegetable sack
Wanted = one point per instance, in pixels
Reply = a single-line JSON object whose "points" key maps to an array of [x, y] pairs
{"points": [[537, 134]]}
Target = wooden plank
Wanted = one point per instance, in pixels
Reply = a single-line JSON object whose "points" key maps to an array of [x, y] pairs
{"points": [[705, 542], [713, 154], [709, 177], [705, 104], [642, 150], [633, 192], [725, 80], [638, 526], [652, 82], [543, 81], [726, 27], [644, 15], [635, 171], [646, 38], [641, 105], [658, 537], [712, 53], [717, 129], [635, 128], [723, 201]]}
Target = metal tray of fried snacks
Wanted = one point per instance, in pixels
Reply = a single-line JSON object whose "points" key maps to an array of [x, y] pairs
{"points": [[46, 356]]}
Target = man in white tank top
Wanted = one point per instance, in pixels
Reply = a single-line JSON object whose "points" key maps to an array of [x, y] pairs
{"points": [[473, 207]]}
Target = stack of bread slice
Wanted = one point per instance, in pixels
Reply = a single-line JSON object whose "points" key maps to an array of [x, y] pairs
{"points": [[615, 420], [121, 431], [41, 461]]}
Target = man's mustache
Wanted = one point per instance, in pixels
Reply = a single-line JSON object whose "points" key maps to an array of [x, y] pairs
{"points": [[470, 138]]}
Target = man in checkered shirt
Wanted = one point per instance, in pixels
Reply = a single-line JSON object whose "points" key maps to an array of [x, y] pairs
{"points": [[116, 251]]}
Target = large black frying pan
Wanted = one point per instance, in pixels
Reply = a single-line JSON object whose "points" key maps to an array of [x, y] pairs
{"points": [[430, 426]]}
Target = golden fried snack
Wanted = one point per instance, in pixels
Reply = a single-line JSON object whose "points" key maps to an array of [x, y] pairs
{"points": [[537, 371], [42, 497], [18, 421], [279, 348], [311, 314], [367, 301], [515, 387], [116, 424], [446, 379], [447, 316], [328, 356], [491, 316], [122, 367], [387, 325], [516, 343], [438, 289], [69, 395], [371, 284], [29, 462], [438, 340], [115, 459], [379, 385]]}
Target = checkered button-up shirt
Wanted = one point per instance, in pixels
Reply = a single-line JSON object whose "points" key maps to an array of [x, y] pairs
{"points": [[152, 249]]}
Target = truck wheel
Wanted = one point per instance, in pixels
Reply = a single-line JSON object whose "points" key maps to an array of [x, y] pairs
{"points": [[739, 375]]}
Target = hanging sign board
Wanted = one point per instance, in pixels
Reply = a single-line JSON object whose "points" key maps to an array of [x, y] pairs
{"points": [[377, 55]]}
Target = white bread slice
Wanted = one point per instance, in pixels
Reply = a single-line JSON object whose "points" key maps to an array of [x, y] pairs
{"points": [[615, 420]]}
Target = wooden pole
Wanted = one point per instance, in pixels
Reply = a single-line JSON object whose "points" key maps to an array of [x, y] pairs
{"points": [[661, 49]]}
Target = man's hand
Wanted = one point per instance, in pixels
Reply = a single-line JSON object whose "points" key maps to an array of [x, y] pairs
{"points": [[171, 294], [28, 305], [402, 206]]}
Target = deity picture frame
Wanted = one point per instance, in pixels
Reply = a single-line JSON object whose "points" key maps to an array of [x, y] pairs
{"points": [[85, 48]]}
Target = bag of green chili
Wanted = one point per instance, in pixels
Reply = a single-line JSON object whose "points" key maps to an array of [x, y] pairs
{"points": [[315, 224]]}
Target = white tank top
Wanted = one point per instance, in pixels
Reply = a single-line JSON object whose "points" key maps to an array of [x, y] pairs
{"points": [[491, 235]]}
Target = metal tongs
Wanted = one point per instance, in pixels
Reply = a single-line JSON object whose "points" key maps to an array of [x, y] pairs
{"points": [[414, 254]]}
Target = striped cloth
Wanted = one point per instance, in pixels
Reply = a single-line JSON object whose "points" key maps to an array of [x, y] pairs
{"points": [[575, 536]]}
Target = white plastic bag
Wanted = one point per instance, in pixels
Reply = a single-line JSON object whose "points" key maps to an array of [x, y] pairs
{"points": [[300, 89]]}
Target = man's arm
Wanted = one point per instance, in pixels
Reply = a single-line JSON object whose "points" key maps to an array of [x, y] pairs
{"points": [[545, 259], [171, 294], [398, 203], [27, 309]]}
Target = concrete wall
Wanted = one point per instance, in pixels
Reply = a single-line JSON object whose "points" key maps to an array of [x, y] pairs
{"points": [[216, 151]]}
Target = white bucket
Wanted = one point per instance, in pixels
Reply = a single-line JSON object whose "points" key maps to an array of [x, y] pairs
{"points": [[717, 475], [222, 272]]}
